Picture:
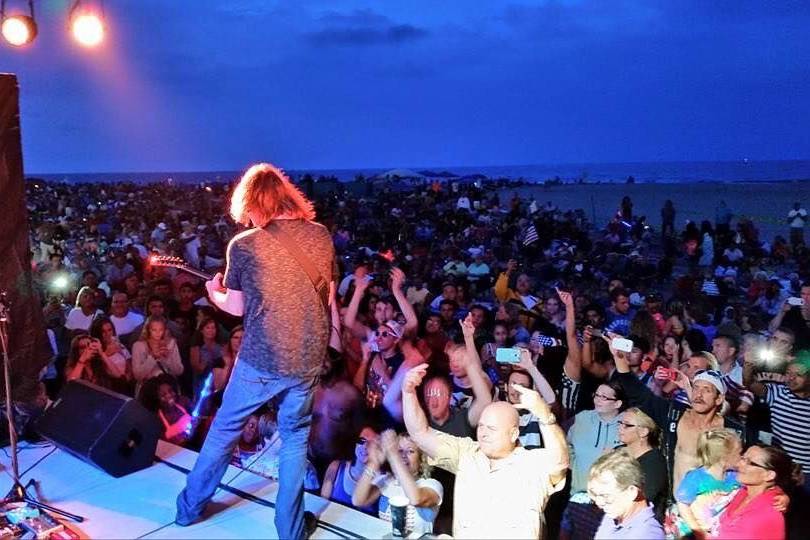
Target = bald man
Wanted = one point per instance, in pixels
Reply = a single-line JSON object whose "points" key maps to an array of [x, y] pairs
{"points": [[501, 488]]}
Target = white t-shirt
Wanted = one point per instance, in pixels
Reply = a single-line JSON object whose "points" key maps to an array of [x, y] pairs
{"points": [[417, 520], [76, 320], [797, 218], [126, 324], [529, 301]]}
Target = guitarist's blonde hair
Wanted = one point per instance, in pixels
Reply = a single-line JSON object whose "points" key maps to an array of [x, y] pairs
{"points": [[267, 192]]}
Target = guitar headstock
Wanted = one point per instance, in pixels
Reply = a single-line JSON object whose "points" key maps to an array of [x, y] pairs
{"points": [[167, 261], [176, 262]]}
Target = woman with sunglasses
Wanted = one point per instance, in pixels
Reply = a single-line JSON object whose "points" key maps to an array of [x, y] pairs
{"points": [[641, 436], [342, 477], [765, 473]]}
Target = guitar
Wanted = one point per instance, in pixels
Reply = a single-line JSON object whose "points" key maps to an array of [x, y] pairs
{"points": [[167, 261]]}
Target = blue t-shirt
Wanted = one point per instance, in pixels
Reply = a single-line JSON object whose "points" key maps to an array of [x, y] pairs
{"points": [[706, 496]]}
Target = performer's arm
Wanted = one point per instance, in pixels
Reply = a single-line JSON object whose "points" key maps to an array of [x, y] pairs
{"points": [[228, 300]]}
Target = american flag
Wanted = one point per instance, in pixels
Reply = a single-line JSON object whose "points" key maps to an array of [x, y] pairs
{"points": [[530, 236]]}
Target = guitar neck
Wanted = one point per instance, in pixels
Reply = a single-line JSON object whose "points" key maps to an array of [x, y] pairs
{"points": [[195, 272]]}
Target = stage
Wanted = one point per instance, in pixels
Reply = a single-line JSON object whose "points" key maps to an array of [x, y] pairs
{"points": [[141, 505]]}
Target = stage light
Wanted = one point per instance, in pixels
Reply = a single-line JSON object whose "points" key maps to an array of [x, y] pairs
{"points": [[88, 30], [18, 29], [87, 24]]}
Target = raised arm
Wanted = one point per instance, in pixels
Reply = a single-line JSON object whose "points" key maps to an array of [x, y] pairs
{"points": [[553, 437], [776, 322], [411, 320], [359, 380], [482, 391], [366, 492], [360, 285], [540, 383], [573, 360], [600, 371], [335, 332], [392, 400], [502, 291], [415, 420], [418, 496], [638, 394], [749, 374]]}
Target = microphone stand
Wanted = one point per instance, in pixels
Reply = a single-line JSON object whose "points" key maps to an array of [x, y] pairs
{"points": [[18, 493]]}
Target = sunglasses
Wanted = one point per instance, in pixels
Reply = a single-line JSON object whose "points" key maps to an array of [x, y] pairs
{"points": [[384, 333], [362, 440]]}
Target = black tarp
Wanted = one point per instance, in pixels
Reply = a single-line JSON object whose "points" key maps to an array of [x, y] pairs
{"points": [[29, 351]]}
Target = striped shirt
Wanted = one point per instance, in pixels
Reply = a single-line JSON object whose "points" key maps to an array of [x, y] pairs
{"points": [[529, 430], [736, 392], [568, 395], [790, 418]]}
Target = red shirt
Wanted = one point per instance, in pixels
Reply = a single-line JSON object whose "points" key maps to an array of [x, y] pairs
{"points": [[758, 519]]}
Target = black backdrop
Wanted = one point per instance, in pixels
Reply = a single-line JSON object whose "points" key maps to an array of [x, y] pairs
{"points": [[28, 344]]}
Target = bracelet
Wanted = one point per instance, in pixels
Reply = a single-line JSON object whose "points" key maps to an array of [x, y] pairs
{"points": [[549, 420], [371, 473]]}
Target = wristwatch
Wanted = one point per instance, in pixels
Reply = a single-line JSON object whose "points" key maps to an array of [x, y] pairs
{"points": [[549, 420]]}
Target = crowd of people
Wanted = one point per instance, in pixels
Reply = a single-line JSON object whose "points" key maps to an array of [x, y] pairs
{"points": [[507, 367]]}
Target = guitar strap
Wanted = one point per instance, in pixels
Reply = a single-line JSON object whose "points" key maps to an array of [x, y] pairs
{"points": [[318, 282]]}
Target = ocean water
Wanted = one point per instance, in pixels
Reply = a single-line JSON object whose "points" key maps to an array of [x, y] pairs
{"points": [[644, 172]]}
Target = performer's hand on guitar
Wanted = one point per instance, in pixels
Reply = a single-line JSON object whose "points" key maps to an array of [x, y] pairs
{"points": [[215, 285]]}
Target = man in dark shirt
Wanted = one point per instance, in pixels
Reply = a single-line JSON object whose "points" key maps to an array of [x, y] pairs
{"points": [[286, 333]]}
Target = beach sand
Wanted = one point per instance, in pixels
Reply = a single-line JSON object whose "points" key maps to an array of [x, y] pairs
{"points": [[767, 203]]}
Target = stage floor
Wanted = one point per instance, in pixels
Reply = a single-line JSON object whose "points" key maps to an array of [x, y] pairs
{"points": [[141, 505]]}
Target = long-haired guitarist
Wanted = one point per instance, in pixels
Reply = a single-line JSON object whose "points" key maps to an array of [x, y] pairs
{"points": [[286, 334]]}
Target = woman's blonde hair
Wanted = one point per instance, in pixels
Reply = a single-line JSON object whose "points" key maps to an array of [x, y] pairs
{"points": [[145, 332], [424, 467], [266, 191], [714, 445], [642, 420]]}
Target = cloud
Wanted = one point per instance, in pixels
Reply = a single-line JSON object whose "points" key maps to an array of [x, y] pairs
{"points": [[363, 28]]}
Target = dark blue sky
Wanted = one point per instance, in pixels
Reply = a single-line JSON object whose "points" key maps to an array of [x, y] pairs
{"points": [[204, 84]]}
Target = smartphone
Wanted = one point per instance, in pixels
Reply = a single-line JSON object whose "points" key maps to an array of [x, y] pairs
{"points": [[666, 374], [795, 301], [507, 355], [622, 344], [596, 333]]}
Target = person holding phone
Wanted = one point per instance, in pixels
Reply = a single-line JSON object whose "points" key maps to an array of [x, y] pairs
{"points": [[87, 361], [482, 509]]}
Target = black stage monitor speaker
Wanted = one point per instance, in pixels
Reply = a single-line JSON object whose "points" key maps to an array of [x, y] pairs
{"points": [[106, 429]]}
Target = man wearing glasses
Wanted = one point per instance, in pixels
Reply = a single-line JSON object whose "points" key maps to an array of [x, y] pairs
{"points": [[681, 423], [482, 507], [616, 485]]}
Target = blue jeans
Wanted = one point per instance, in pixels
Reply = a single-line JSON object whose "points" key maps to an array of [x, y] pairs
{"points": [[247, 390]]}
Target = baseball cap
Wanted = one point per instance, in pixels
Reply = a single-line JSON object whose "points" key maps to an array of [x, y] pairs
{"points": [[395, 328], [713, 377]]}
